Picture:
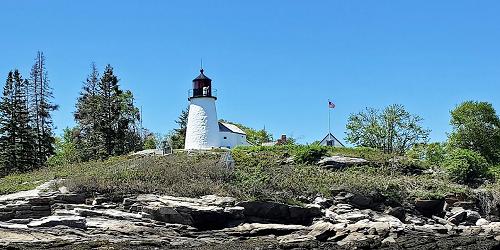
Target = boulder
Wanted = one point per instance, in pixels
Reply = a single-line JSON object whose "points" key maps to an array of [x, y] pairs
{"points": [[341, 162], [398, 212], [457, 216], [52, 221], [322, 230], [429, 207], [482, 222], [352, 217], [207, 212], [261, 211], [472, 217], [361, 201]]}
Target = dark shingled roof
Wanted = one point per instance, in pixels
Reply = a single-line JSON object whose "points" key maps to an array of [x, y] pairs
{"points": [[202, 76]]}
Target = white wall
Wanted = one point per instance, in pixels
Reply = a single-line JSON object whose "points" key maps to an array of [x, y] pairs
{"points": [[231, 140], [202, 127]]}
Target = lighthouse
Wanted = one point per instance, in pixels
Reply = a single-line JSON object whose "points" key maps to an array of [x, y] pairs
{"points": [[202, 127]]}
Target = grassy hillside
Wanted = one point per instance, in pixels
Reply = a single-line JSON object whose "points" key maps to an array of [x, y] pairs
{"points": [[264, 173]]}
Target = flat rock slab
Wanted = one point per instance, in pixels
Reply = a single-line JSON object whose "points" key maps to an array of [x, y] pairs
{"points": [[263, 229], [341, 162], [51, 221]]}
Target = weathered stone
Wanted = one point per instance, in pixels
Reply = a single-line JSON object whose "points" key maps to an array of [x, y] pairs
{"points": [[352, 217], [40, 208], [341, 162], [39, 201], [482, 222], [472, 217], [432, 229], [263, 229], [279, 213], [322, 230], [429, 207], [71, 198], [457, 216], [323, 202], [51, 221], [6, 216], [470, 205], [361, 201], [398, 212]]}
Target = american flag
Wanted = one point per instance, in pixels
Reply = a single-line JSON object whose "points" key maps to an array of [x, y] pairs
{"points": [[331, 105]]}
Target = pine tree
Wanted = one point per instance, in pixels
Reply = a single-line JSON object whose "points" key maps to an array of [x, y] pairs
{"points": [[178, 136], [41, 107], [107, 118], [90, 139], [16, 134]]}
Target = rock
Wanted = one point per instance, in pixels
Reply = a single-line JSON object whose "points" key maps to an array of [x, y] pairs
{"points": [[470, 205], [71, 198], [457, 216], [352, 217], [260, 211], [436, 228], [388, 241], [323, 202], [111, 213], [253, 229], [482, 222], [472, 217], [398, 212], [341, 162], [51, 221], [322, 230], [207, 212], [429, 207], [361, 201]]}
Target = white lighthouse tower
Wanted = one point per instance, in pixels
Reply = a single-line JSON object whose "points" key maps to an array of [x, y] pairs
{"points": [[202, 126]]}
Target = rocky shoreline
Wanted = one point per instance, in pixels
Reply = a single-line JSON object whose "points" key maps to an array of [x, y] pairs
{"points": [[44, 218]]}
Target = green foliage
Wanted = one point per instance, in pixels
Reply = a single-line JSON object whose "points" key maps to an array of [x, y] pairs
{"points": [[260, 173], [476, 126], [464, 165], [150, 142], [431, 155], [107, 118], [65, 150], [41, 106], [393, 130], [16, 135], [309, 154], [177, 137]]}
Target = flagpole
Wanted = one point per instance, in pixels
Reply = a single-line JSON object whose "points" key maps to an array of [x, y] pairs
{"points": [[329, 131]]}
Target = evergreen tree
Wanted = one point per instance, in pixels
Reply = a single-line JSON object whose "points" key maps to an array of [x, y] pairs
{"points": [[107, 118], [41, 107], [90, 139], [16, 134], [178, 136]]}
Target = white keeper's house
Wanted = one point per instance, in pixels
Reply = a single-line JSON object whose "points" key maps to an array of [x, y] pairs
{"points": [[204, 131]]}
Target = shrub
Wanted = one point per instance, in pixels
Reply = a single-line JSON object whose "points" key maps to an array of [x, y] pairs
{"points": [[464, 165], [309, 154], [430, 155]]}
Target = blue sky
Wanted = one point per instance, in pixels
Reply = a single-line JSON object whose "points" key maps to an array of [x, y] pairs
{"points": [[274, 63]]}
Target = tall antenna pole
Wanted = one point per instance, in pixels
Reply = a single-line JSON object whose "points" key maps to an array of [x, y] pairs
{"points": [[201, 63]]}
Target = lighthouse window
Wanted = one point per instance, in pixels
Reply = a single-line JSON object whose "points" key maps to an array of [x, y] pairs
{"points": [[225, 138]]}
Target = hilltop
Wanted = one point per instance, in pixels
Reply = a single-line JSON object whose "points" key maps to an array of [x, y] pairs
{"points": [[283, 196]]}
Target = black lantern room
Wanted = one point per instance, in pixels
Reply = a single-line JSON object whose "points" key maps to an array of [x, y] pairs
{"points": [[202, 86]]}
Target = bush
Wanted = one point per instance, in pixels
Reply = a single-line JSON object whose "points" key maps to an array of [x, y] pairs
{"points": [[309, 154], [431, 155], [463, 165]]}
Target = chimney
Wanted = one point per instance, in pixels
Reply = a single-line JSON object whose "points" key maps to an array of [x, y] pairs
{"points": [[283, 138]]}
